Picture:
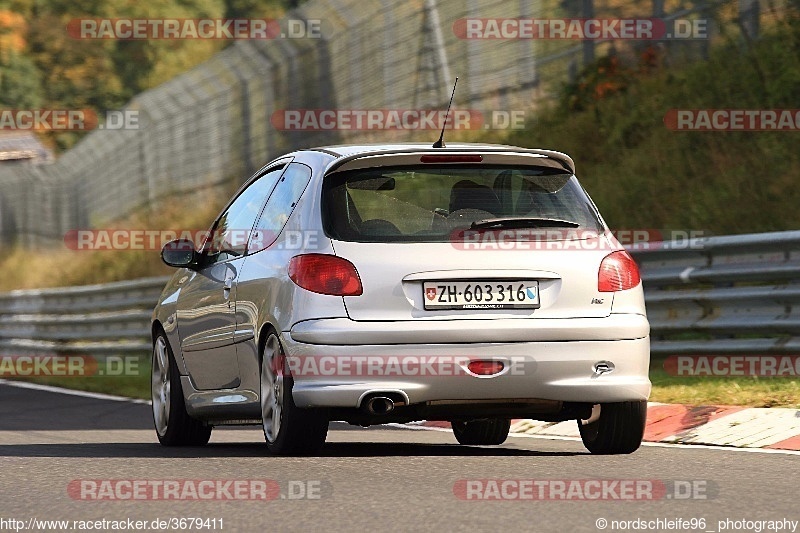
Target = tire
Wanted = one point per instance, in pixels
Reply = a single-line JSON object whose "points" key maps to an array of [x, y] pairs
{"points": [[174, 426], [618, 430], [288, 429], [490, 431]]}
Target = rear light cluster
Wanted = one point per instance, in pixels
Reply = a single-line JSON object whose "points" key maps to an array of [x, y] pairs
{"points": [[325, 274], [618, 272]]}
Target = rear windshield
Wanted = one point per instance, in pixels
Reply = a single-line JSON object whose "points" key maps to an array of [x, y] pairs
{"points": [[421, 203]]}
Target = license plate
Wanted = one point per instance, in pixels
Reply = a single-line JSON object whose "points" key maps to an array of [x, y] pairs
{"points": [[519, 294]]}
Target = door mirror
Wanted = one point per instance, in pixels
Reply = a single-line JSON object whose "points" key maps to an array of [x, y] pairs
{"points": [[179, 253]]}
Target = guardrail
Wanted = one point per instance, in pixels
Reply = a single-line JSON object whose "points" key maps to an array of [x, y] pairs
{"points": [[99, 319], [722, 295]]}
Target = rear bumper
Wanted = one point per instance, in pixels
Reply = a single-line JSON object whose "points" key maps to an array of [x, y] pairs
{"points": [[343, 331], [547, 370]]}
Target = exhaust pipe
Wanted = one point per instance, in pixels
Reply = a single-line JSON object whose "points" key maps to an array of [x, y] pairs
{"points": [[594, 417], [380, 405]]}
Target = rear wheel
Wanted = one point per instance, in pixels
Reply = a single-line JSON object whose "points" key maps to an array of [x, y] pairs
{"points": [[288, 429], [174, 426], [618, 429], [490, 431]]}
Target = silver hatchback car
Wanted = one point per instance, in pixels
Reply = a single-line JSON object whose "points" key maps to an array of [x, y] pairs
{"points": [[370, 284]]}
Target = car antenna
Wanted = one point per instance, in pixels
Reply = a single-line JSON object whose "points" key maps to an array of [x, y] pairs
{"points": [[440, 142]]}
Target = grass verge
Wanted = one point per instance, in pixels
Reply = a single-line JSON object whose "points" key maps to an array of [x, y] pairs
{"points": [[135, 383], [739, 390], [59, 266]]}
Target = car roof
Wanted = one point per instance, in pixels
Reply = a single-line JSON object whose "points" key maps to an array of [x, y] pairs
{"points": [[356, 150]]}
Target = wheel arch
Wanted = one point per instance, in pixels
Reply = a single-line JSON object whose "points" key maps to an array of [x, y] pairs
{"points": [[263, 333], [155, 328], [173, 341]]}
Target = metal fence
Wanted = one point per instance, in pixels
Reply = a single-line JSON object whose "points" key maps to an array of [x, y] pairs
{"points": [[718, 295], [212, 125]]}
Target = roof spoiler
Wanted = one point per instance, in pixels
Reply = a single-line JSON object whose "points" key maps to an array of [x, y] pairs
{"points": [[562, 158]]}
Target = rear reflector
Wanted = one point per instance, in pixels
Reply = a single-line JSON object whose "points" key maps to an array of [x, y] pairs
{"points": [[325, 274], [485, 368], [618, 272], [451, 158]]}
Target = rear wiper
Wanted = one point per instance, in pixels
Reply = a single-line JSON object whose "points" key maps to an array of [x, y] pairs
{"points": [[523, 222]]}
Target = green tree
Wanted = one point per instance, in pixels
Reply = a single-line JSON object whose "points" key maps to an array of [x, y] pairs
{"points": [[258, 8], [20, 82], [51, 69]]}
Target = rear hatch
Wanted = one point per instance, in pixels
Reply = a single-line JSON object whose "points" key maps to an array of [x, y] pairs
{"points": [[394, 276], [498, 237]]}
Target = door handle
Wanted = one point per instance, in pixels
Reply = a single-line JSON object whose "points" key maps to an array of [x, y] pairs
{"points": [[226, 289]]}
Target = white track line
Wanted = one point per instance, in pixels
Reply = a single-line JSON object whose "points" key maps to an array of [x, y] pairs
{"points": [[683, 446], [647, 443], [71, 392]]}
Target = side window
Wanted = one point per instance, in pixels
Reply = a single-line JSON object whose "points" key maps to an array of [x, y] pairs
{"points": [[280, 206], [231, 232]]}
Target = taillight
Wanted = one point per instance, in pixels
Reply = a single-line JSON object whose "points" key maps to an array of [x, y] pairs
{"points": [[618, 272], [325, 274]]}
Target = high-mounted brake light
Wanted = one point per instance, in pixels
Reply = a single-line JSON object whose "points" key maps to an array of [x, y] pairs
{"points": [[325, 274], [618, 272], [451, 158]]}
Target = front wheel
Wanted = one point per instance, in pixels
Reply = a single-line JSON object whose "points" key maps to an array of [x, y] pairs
{"points": [[174, 426], [490, 431], [618, 429], [288, 429]]}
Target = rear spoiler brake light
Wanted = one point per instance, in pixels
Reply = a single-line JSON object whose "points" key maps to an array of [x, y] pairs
{"points": [[463, 158]]}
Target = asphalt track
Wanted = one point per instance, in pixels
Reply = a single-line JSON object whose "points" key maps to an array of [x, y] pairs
{"points": [[388, 478]]}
